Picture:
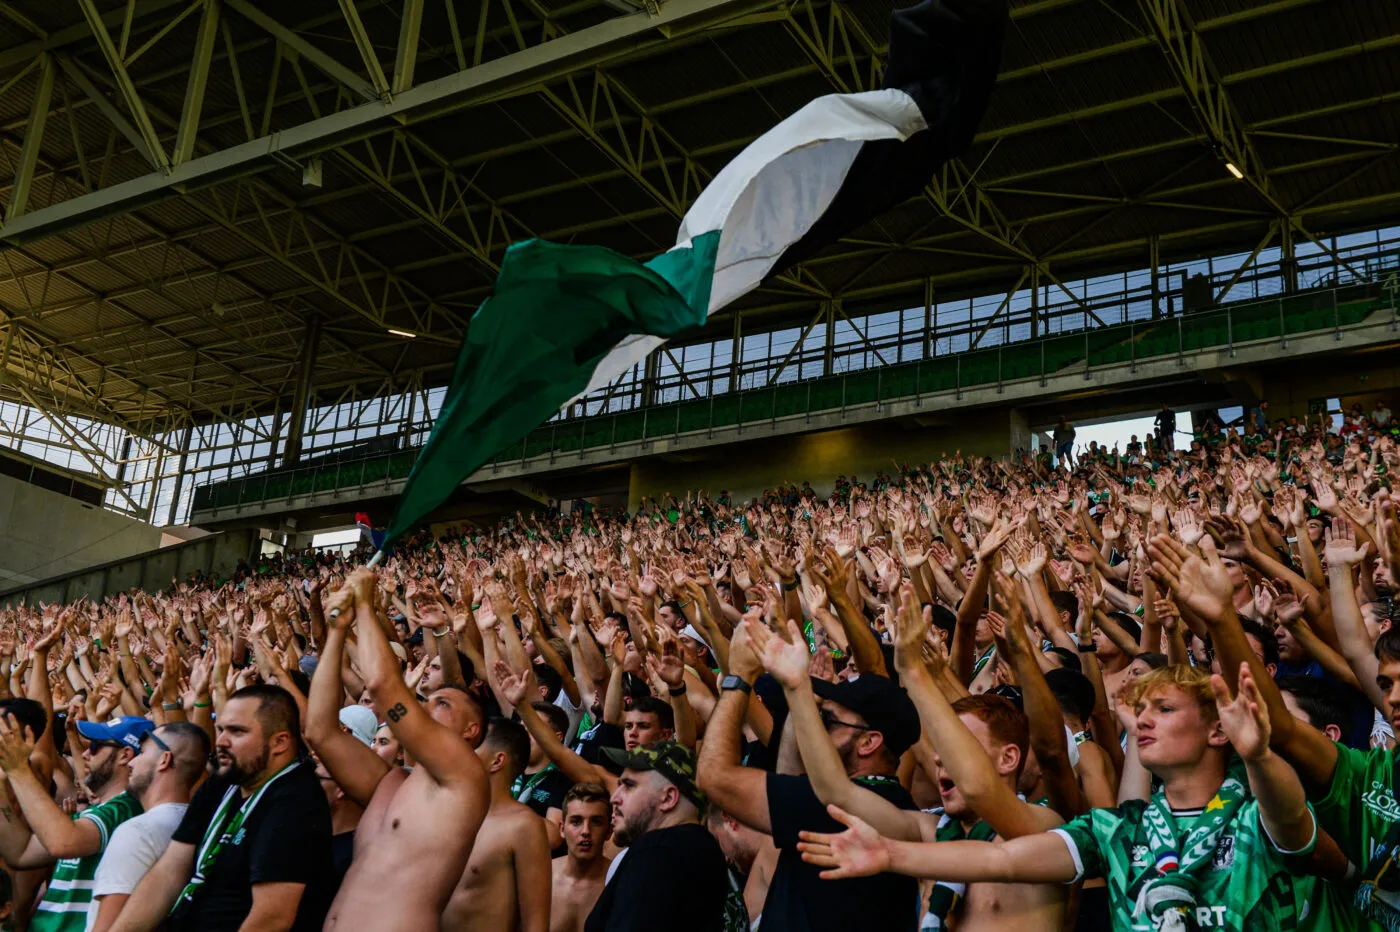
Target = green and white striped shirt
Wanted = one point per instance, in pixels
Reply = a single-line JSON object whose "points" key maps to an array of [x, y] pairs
{"points": [[68, 905]]}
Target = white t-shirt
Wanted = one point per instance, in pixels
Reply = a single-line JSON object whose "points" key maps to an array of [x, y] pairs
{"points": [[135, 846]]}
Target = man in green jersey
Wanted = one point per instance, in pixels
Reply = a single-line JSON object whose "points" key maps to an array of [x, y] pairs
{"points": [[47, 834], [1201, 853], [1354, 791]]}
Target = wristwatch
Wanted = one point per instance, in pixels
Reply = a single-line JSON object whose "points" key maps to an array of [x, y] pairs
{"points": [[734, 682], [1089, 648]]}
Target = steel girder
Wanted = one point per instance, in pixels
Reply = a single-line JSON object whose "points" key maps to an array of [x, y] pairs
{"points": [[491, 80]]}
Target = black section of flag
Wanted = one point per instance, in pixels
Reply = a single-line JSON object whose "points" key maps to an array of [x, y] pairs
{"points": [[945, 54]]}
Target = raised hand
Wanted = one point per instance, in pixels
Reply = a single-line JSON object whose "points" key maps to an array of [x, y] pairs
{"points": [[996, 537], [787, 661], [860, 851], [669, 668], [1340, 544], [1031, 560], [911, 631], [513, 686], [1325, 498], [16, 744], [1245, 717], [1201, 582], [339, 608]]}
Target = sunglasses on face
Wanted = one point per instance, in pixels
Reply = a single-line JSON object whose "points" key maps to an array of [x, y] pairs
{"points": [[829, 719]]}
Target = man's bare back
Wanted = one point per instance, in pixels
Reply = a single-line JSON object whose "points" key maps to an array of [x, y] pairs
{"points": [[414, 840], [573, 895], [511, 855]]}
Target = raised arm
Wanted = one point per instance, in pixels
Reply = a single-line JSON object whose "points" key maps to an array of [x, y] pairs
{"points": [[738, 790], [444, 754], [1283, 805], [51, 833], [864, 647], [355, 767], [787, 662], [1202, 583], [980, 780], [670, 669], [1342, 555], [1047, 723], [860, 851], [513, 686]]}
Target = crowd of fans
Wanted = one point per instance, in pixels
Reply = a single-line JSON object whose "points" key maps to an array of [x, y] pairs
{"points": [[1152, 688]]}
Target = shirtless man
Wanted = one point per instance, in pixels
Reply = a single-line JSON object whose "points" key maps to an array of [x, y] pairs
{"points": [[505, 887], [579, 876], [418, 828]]}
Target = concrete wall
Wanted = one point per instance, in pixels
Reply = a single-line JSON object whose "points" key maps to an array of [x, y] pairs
{"points": [[1363, 377], [45, 534], [746, 469], [214, 554]]}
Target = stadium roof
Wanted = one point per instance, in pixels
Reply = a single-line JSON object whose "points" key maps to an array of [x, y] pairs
{"points": [[194, 187]]}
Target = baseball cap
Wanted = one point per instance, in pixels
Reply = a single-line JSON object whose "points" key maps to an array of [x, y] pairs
{"points": [[124, 729], [883, 704], [361, 722], [671, 759], [690, 632]]}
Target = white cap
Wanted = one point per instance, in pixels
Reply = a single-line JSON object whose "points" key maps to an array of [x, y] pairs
{"points": [[360, 722], [690, 632]]}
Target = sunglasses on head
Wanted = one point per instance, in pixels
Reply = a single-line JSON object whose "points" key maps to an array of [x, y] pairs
{"points": [[151, 735]]}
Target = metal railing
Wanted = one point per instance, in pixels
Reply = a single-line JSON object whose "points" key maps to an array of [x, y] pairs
{"points": [[1085, 351]]}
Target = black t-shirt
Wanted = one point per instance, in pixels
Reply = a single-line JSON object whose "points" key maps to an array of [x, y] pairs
{"points": [[546, 793], [672, 878], [799, 900], [286, 839], [589, 745], [342, 854]]}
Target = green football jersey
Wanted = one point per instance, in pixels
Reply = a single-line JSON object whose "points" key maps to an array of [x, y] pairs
{"points": [[1247, 886], [1358, 810], [68, 905]]}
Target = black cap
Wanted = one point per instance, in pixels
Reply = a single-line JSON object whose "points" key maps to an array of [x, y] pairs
{"points": [[885, 706]]}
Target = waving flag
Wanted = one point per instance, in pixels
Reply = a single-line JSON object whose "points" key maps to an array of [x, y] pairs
{"points": [[564, 321]]}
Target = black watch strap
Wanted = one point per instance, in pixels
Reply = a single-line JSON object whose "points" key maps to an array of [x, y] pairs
{"points": [[734, 682]]}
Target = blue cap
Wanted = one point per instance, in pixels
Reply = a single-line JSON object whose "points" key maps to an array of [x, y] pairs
{"points": [[125, 729]]}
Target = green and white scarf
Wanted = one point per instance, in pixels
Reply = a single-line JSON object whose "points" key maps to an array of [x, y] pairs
{"points": [[946, 894], [1167, 901], [224, 827]]}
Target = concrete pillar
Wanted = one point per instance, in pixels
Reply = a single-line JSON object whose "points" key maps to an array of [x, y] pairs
{"points": [[310, 340], [1019, 433], [650, 374]]}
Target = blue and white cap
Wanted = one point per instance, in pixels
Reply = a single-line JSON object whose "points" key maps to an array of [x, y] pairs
{"points": [[124, 729]]}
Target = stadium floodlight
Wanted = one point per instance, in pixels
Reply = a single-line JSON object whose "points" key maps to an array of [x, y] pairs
{"points": [[402, 333], [1230, 167]]}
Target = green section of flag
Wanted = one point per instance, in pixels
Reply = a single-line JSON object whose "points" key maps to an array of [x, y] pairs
{"points": [[556, 312]]}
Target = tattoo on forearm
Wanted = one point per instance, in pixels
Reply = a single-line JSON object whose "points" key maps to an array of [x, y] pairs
{"points": [[397, 712]]}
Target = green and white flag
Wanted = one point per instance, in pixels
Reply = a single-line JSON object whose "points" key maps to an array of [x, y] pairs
{"points": [[565, 321]]}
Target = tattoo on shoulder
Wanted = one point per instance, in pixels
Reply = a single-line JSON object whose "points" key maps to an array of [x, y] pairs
{"points": [[397, 712]]}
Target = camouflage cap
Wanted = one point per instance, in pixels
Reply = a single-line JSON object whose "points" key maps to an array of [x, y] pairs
{"points": [[671, 759]]}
